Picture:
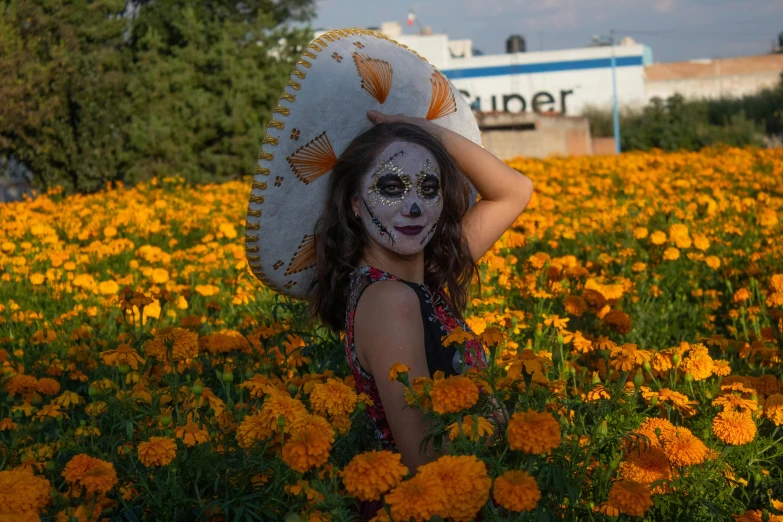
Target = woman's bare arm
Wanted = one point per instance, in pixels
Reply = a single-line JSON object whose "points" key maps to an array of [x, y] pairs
{"points": [[388, 329], [504, 191]]}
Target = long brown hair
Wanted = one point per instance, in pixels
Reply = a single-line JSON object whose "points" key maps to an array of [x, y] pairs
{"points": [[340, 236]]}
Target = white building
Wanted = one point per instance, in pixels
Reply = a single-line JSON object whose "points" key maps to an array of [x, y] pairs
{"points": [[561, 81]]}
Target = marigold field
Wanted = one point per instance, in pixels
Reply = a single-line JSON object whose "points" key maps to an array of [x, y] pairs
{"points": [[632, 317]]}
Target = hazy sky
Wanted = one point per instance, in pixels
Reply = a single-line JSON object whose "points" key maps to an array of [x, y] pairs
{"points": [[674, 29]]}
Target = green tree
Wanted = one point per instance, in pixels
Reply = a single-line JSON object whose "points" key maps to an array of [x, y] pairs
{"points": [[108, 90]]}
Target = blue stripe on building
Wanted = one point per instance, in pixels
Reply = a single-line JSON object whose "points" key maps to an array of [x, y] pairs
{"points": [[531, 68]]}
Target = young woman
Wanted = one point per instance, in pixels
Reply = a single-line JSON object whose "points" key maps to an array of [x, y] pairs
{"points": [[396, 250]]}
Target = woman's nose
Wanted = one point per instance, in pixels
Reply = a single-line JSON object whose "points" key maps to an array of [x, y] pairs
{"points": [[415, 210]]}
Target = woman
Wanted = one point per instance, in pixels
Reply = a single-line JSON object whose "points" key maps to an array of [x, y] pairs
{"points": [[397, 234]]}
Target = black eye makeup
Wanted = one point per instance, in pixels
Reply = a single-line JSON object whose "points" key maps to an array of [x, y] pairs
{"points": [[393, 185], [390, 184], [428, 183]]}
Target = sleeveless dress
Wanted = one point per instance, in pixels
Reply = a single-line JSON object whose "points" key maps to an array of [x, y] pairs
{"points": [[438, 319]]}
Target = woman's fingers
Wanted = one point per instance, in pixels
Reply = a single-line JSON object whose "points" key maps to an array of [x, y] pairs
{"points": [[379, 117]]}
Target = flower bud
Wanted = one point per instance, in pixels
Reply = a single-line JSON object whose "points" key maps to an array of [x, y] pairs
{"points": [[654, 400], [560, 339], [293, 389], [228, 377], [688, 378], [165, 419], [92, 391], [638, 379], [708, 394], [198, 387], [603, 428], [765, 516], [36, 400], [123, 368], [676, 359], [50, 465], [361, 406], [614, 463], [596, 379], [281, 421], [647, 366]]}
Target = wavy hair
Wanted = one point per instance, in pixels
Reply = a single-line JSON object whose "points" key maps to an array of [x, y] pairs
{"points": [[340, 236]]}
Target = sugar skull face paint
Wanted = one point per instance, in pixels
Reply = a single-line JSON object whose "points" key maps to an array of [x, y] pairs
{"points": [[401, 198]]}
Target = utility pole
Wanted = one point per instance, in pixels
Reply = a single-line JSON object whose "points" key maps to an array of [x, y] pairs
{"points": [[615, 109]]}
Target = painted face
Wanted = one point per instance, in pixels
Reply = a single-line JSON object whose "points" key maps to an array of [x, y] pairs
{"points": [[401, 198]]}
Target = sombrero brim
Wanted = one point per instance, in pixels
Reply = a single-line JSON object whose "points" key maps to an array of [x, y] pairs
{"points": [[338, 78]]}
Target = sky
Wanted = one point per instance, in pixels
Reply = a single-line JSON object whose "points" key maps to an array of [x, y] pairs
{"points": [[675, 30]]}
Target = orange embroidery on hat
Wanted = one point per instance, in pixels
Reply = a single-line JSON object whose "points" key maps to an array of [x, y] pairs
{"points": [[289, 284], [313, 160], [278, 264], [376, 75], [442, 102], [304, 257]]}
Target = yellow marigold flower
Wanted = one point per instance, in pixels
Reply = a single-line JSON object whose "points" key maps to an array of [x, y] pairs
{"points": [[23, 495], [701, 242], [712, 262], [318, 516], [671, 254], [453, 394], [37, 279], [108, 288], [160, 276], [96, 408], [419, 385], [516, 491], [773, 408], [184, 344], [50, 410], [734, 427], [333, 398], [370, 475], [640, 232], [396, 369], [309, 444], [419, 499], [533, 432], [639, 267], [87, 431], [698, 364], [123, 354], [191, 434], [207, 290], [93, 476], [7, 424], [757, 515], [472, 430], [658, 237], [631, 498], [158, 451], [47, 386], [263, 424], [465, 482], [731, 402], [457, 335], [685, 449], [68, 398], [646, 467]]}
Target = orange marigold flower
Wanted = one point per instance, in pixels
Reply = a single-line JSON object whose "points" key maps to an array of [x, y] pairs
{"points": [[756, 516], [184, 344], [453, 394], [631, 498], [419, 499], [646, 467], [224, 342], [773, 408], [24, 385], [68, 398], [7, 424], [23, 495], [671, 254], [370, 475], [92, 475], [685, 449], [158, 451], [533, 432], [472, 430], [516, 491], [619, 320], [575, 305], [731, 402], [309, 443], [396, 369], [734, 427], [48, 386], [87, 431], [123, 354], [50, 411], [192, 434], [721, 367], [465, 482], [699, 364], [333, 398]]}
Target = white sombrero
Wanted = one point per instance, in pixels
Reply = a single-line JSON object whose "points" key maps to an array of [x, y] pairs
{"points": [[339, 77]]}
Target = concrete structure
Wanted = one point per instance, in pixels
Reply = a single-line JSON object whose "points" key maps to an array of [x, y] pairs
{"points": [[534, 135], [725, 77]]}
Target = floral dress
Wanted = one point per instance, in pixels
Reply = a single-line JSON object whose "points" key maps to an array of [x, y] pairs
{"points": [[439, 320]]}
